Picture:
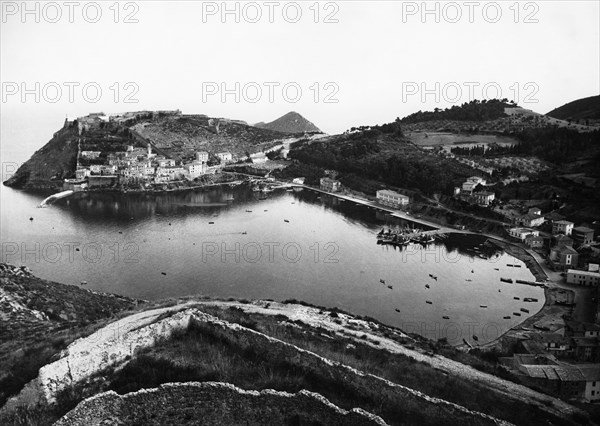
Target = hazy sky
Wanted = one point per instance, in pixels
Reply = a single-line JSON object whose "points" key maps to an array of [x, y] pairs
{"points": [[376, 60]]}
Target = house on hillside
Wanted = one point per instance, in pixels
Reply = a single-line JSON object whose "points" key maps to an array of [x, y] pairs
{"points": [[483, 198], [258, 158], [392, 198], [530, 220], [534, 241], [562, 227], [582, 235], [563, 257], [522, 233], [225, 157], [330, 185]]}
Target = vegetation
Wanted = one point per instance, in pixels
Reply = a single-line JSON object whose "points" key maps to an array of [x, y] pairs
{"points": [[472, 111]]}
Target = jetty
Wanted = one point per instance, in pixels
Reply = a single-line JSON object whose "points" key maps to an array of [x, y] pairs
{"points": [[55, 197]]}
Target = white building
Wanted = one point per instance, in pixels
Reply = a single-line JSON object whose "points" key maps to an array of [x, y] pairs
{"points": [[224, 156], [202, 156], [562, 227], [299, 180], [258, 158], [584, 278], [195, 169], [90, 154], [392, 198], [522, 233], [165, 162]]}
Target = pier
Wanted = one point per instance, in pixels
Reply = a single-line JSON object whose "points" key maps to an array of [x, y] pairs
{"points": [[55, 197]]}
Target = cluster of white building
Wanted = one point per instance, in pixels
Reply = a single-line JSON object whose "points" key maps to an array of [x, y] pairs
{"points": [[143, 164]]}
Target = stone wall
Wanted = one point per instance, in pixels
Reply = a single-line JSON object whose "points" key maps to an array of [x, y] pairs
{"points": [[212, 403]]}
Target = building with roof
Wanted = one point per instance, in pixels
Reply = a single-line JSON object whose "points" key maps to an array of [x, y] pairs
{"points": [[258, 158], [562, 240], [522, 233], [535, 210], [563, 257], [562, 227], [202, 156], [566, 381], [330, 185], [483, 198], [392, 198], [530, 219], [534, 241], [582, 235], [224, 156], [583, 278]]}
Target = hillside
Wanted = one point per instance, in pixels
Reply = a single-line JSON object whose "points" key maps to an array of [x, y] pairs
{"points": [[39, 318], [48, 166], [292, 122], [179, 136], [170, 133], [254, 363], [580, 109]]}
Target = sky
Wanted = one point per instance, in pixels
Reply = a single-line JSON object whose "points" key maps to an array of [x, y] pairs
{"points": [[339, 64]]}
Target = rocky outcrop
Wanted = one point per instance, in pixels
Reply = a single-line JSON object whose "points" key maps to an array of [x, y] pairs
{"points": [[109, 346], [212, 403], [48, 166]]}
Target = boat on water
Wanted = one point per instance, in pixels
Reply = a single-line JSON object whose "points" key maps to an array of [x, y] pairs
{"points": [[397, 310], [429, 302], [426, 285], [524, 310], [506, 280], [483, 306], [507, 317], [446, 317], [475, 338], [518, 314], [530, 299]]}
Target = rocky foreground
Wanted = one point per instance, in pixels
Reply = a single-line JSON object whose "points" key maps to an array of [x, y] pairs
{"points": [[239, 362]]}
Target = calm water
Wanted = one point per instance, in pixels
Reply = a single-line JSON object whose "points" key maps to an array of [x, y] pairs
{"points": [[155, 246]]}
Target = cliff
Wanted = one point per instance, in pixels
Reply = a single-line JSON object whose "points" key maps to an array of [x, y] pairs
{"points": [[48, 166]]}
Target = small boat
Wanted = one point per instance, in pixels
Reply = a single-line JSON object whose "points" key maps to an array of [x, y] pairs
{"points": [[433, 276], [211, 223], [483, 306], [524, 310], [516, 298], [517, 314], [475, 338], [499, 291], [248, 211], [164, 273], [496, 269], [507, 317], [446, 317], [266, 210], [397, 310], [286, 221], [506, 280], [429, 302], [382, 281], [472, 271], [530, 299], [469, 280], [426, 285], [390, 287], [516, 266], [244, 233]]}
